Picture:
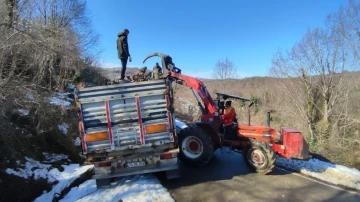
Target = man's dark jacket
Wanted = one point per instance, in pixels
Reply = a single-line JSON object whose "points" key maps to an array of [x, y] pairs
{"points": [[122, 46]]}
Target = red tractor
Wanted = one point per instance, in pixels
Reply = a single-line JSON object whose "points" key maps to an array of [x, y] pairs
{"points": [[258, 144]]}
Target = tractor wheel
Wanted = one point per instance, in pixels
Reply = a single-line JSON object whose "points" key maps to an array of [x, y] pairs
{"points": [[259, 156], [195, 145]]}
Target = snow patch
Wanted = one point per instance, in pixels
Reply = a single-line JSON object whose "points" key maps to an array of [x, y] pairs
{"points": [[77, 141], [63, 95], [36, 170], [32, 169], [59, 102], [332, 173], [180, 124], [63, 128], [61, 99], [23, 112], [129, 189], [82, 190], [69, 175], [52, 158]]}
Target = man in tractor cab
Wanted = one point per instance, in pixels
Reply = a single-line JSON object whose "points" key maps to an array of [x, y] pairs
{"points": [[229, 118]]}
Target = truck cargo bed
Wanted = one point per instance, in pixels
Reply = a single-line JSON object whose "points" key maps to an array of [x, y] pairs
{"points": [[128, 129], [132, 115]]}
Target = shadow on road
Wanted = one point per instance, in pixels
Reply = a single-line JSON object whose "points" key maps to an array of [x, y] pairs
{"points": [[224, 165]]}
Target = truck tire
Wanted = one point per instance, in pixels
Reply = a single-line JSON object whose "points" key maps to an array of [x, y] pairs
{"points": [[195, 145], [259, 157]]}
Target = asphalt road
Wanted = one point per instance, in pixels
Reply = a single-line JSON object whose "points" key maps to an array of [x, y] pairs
{"points": [[227, 178]]}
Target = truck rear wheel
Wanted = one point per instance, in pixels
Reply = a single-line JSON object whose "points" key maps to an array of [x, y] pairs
{"points": [[196, 147], [259, 156]]}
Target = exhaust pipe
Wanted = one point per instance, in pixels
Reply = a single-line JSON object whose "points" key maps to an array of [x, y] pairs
{"points": [[249, 112], [268, 119]]}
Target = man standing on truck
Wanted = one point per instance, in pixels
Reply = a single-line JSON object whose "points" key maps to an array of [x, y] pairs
{"points": [[123, 51], [156, 73], [229, 118]]}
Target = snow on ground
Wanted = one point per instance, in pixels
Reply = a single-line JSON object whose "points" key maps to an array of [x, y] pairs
{"points": [[35, 170], [65, 178], [82, 190], [52, 158], [63, 128], [180, 124], [59, 101], [136, 188], [31, 169], [23, 112], [64, 96], [328, 172], [77, 141]]}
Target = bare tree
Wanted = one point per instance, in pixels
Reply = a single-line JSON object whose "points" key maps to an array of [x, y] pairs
{"points": [[314, 73], [224, 69], [346, 26], [49, 44]]}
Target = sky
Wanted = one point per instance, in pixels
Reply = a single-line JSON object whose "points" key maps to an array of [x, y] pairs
{"points": [[196, 34]]}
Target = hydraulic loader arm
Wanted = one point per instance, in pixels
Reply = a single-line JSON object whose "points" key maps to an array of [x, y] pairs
{"points": [[199, 87], [194, 84]]}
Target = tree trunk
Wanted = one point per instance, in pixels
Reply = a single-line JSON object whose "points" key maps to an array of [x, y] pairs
{"points": [[11, 6], [325, 123]]}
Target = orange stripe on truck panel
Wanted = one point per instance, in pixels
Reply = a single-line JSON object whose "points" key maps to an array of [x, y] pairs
{"points": [[97, 136], [155, 128]]}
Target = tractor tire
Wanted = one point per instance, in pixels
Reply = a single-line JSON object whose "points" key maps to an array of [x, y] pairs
{"points": [[259, 157], [195, 145]]}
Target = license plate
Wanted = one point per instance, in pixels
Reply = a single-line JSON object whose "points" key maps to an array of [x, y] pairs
{"points": [[135, 164]]}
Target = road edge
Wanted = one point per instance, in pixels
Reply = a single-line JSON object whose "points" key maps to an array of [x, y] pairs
{"points": [[338, 187]]}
